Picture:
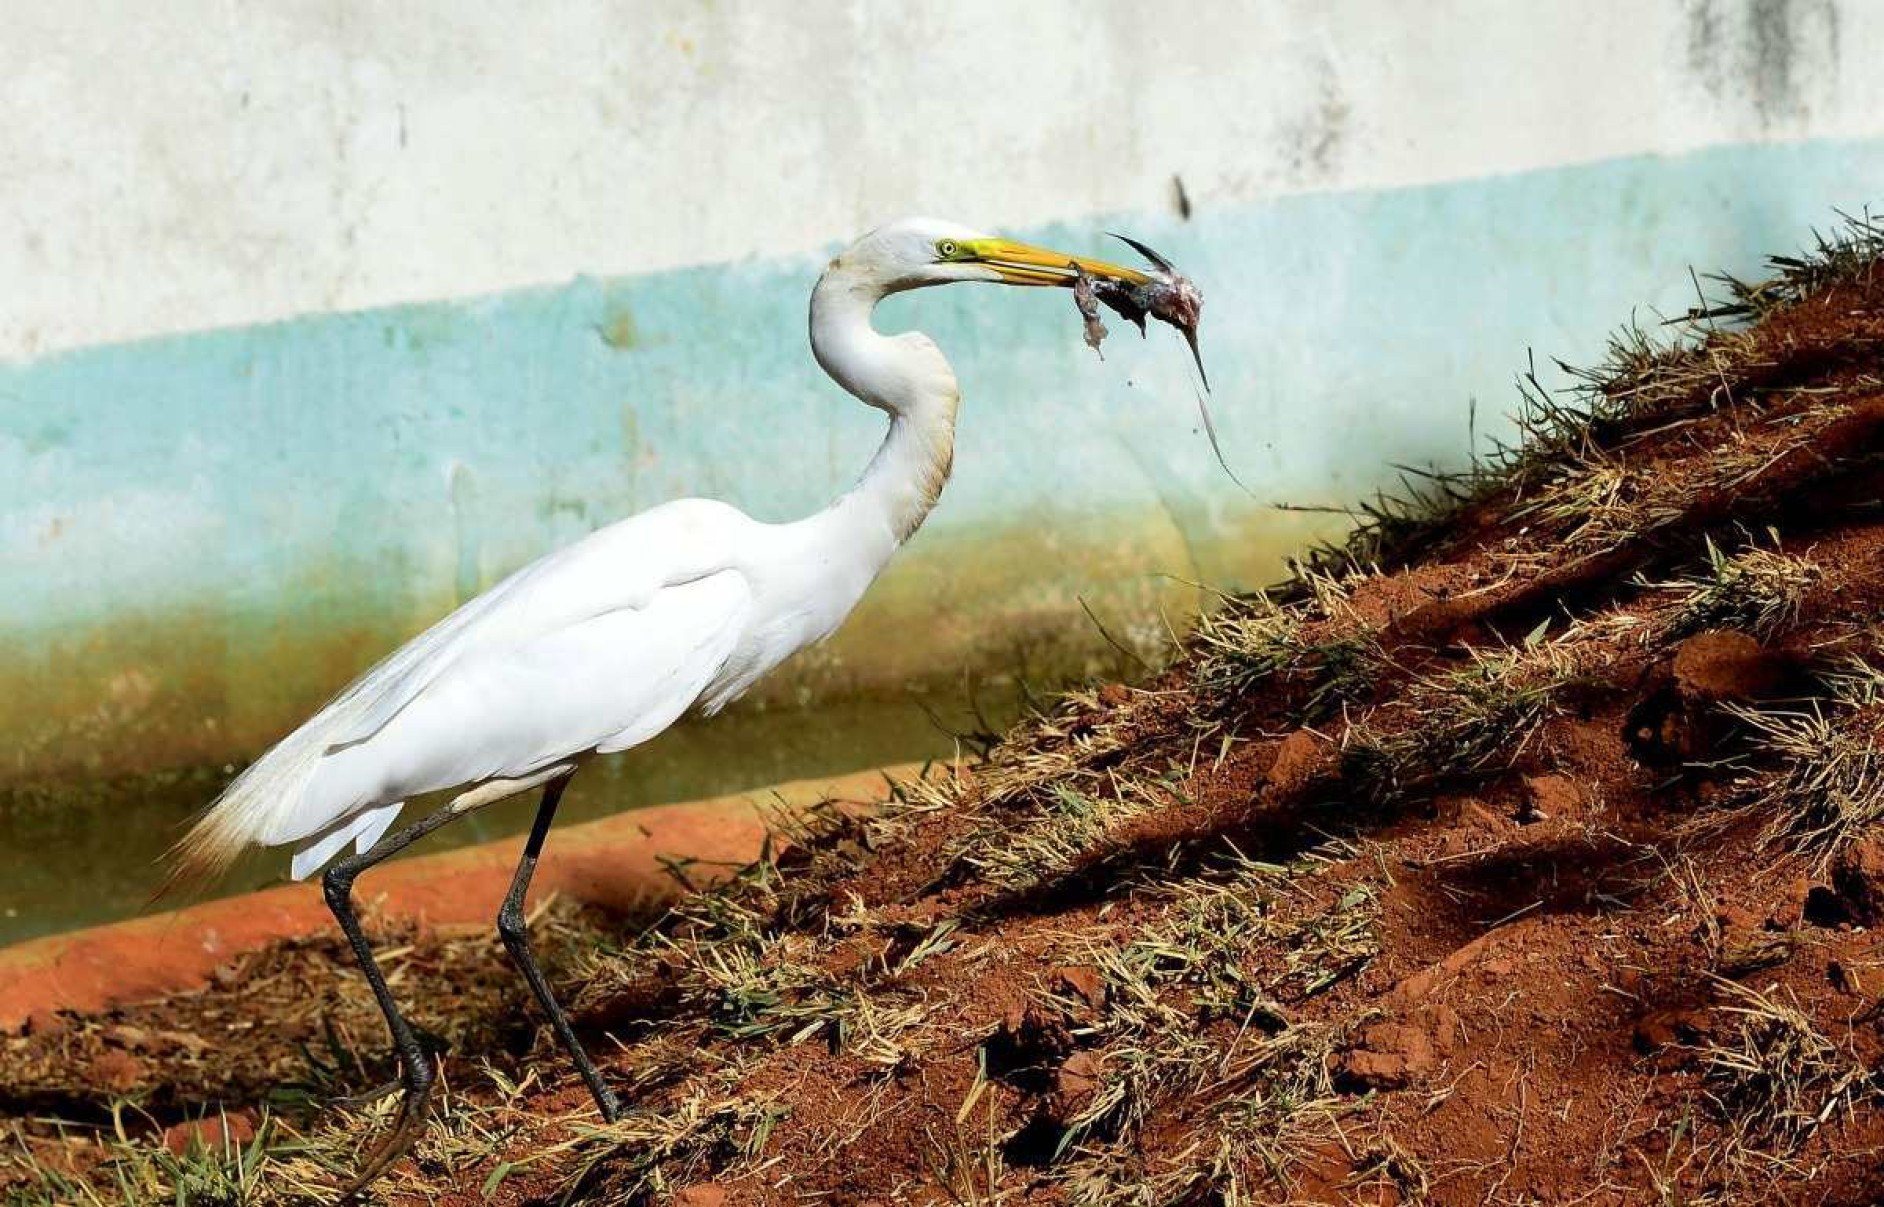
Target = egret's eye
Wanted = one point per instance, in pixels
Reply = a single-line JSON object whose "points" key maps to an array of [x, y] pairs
{"points": [[946, 249]]}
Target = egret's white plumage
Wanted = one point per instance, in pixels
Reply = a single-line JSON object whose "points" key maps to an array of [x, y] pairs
{"points": [[605, 643]]}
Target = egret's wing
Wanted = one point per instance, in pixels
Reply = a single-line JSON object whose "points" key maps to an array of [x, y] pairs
{"points": [[615, 568], [322, 773], [392, 683], [605, 683]]}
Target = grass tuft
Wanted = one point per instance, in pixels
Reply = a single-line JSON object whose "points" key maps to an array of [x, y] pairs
{"points": [[1073, 826], [1846, 255], [128, 1167], [1197, 1017], [1823, 787], [1460, 723], [1249, 641], [650, 1153], [1759, 591], [1777, 1080], [1645, 381]]}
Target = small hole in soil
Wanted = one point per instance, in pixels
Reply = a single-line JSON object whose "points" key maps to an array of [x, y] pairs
{"points": [[1650, 727], [1027, 1056], [1033, 1146], [1823, 907]]}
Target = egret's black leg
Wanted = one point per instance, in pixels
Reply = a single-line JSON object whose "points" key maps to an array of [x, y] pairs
{"points": [[516, 936], [416, 1073]]}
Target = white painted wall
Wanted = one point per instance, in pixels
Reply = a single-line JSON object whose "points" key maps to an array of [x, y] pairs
{"points": [[200, 163]]}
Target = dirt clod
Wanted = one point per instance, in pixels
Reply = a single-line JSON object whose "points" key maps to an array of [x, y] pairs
{"points": [[1394, 1055], [1299, 756], [1727, 667], [1678, 1027], [1075, 1083], [219, 1133], [116, 1071], [1858, 877], [1082, 981], [1552, 796]]}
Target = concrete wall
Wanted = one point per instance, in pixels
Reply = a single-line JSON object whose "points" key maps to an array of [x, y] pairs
{"points": [[169, 168], [318, 317]]}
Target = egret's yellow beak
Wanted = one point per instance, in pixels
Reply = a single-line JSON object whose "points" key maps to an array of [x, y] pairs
{"points": [[1024, 264]]}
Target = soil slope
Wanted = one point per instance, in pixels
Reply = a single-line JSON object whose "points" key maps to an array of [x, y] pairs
{"points": [[1525, 850]]}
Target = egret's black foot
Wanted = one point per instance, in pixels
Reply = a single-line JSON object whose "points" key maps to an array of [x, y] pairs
{"points": [[417, 1083], [608, 1104], [434, 1044]]}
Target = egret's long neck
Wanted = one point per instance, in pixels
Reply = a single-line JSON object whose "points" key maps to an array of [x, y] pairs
{"points": [[905, 375]]}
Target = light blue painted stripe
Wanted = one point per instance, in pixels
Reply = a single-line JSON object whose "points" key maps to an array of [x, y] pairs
{"points": [[409, 452]]}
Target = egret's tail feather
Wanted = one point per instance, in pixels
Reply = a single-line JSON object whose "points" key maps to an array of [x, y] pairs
{"points": [[248, 813], [362, 829]]}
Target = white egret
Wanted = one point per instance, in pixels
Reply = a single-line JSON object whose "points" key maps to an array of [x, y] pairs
{"points": [[605, 643]]}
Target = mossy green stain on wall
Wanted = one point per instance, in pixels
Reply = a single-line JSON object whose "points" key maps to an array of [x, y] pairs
{"points": [[211, 686]]}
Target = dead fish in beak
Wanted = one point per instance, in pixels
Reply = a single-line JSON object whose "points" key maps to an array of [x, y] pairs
{"points": [[1166, 295]]}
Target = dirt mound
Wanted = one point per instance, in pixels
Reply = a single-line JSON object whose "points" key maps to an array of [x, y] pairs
{"points": [[1522, 850]]}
